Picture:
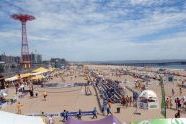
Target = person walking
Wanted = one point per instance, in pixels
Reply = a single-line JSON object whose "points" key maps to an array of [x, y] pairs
{"points": [[123, 101], [127, 101], [43, 117], [94, 113], [45, 95], [177, 115], [179, 103], [19, 106], [167, 103], [173, 92], [79, 114], [180, 91], [64, 115], [130, 101], [176, 102], [110, 104], [108, 111], [51, 120], [170, 103]]}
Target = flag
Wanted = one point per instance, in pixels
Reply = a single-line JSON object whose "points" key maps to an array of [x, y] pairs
{"points": [[163, 103]]}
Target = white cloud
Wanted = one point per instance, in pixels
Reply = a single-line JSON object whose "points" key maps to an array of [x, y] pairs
{"points": [[148, 2], [87, 30]]}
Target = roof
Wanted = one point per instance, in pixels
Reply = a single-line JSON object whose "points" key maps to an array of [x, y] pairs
{"points": [[25, 75], [12, 78], [41, 69], [11, 118], [148, 94]]}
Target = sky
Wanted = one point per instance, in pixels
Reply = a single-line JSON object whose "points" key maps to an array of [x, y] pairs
{"points": [[97, 30]]}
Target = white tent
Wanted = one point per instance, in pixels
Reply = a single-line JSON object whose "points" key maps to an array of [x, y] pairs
{"points": [[12, 78], [37, 73], [10, 118], [148, 94], [147, 100], [3, 93]]}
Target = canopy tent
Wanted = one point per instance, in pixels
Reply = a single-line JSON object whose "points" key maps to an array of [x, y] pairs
{"points": [[107, 120], [38, 77], [162, 121], [14, 78], [3, 93], [10, 118], [51, 69], [25, 75], [37, 73], [148, 94], [40, 70], [147, 100]]}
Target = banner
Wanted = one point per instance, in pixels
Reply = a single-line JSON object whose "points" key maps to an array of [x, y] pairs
{"points": [[162, 121], [163, 102]]}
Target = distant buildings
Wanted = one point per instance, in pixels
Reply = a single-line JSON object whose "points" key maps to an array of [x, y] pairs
{"points": [[1, 66], [9, 63], [58, 62], [46, 63], [36, 59], [55, 62], [12, 63], [9, 59]]}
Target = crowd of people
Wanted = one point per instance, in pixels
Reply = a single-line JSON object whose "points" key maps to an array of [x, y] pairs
{"points": [[110, 90], [176, 102], [127, 101]]}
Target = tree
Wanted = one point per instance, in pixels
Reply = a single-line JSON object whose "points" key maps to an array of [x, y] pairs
{"points": [[1, 68]]}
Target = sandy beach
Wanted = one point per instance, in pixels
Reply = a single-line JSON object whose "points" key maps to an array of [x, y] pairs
{"points": [[74, 98]]}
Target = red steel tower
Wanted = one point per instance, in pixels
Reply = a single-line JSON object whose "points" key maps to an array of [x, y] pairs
{"points": [[25, 57]]}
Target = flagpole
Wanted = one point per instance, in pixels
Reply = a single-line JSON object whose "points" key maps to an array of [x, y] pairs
{"points": [[163, 103]]}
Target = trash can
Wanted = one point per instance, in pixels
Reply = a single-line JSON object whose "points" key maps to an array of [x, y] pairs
{"points": [[118, 109]]}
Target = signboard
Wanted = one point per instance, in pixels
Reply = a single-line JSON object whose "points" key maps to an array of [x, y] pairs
{"points": [[162, 121]]}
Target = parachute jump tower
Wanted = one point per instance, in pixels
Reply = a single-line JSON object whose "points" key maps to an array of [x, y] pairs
{"points": [[25, 61]]}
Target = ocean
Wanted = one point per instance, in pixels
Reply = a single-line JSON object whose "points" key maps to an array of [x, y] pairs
{"points": [[177, 66], [172, 64]]}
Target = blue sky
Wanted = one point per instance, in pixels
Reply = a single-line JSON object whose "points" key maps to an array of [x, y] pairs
{"points": [[97, 29]]}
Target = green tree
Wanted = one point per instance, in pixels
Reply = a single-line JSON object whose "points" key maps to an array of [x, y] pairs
{"points": [[1, 68]]}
